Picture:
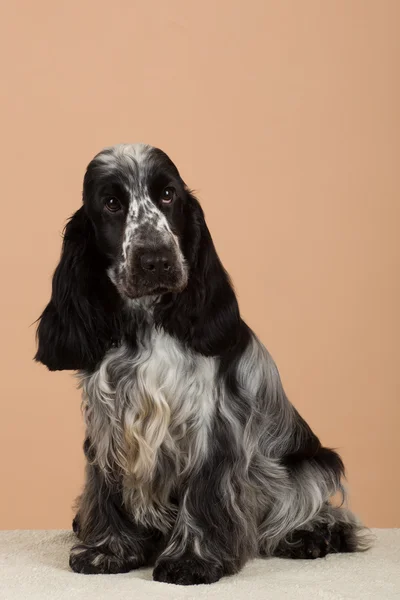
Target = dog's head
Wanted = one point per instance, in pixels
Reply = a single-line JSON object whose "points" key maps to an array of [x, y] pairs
{"points": [[135, 199], [140, 232]]}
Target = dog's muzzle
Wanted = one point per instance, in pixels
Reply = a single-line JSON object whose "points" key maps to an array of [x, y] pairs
{"points": [[155, 269]]}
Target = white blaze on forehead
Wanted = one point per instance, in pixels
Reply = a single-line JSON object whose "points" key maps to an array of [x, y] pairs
{"points": [[116, 155]]}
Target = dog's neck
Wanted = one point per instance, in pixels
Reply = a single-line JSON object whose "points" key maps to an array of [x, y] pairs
{"points": [[144, 304], [138, 317]]}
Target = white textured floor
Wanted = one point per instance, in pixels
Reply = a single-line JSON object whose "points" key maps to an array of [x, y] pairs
{"points": [[34, 566]]}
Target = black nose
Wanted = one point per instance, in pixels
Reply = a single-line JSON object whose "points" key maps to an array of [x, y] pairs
{"points": [[156, 262]]}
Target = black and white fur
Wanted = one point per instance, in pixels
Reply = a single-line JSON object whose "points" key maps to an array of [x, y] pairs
{"points": [[196, 460]]}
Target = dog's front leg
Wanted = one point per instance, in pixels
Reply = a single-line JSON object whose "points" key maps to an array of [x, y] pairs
{"points": [[213, 534], [110, 541]]}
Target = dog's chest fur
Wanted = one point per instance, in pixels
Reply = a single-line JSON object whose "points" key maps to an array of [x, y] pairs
{"points": [[148, 413]]}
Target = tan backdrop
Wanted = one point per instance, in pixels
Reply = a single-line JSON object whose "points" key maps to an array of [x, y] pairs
{"points": [[283, 115]]}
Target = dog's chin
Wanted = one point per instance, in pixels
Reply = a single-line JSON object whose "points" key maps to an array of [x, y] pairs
{"points": [[131, 292]]}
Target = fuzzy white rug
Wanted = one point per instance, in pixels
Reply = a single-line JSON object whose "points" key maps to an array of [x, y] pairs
{"points": [[34, 566]]}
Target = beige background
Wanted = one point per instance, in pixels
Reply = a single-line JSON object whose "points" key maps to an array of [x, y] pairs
{"points": [[284, 116]]}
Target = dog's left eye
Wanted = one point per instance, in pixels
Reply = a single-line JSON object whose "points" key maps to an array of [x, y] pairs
{"points": [[168, 195], [113, 204]]}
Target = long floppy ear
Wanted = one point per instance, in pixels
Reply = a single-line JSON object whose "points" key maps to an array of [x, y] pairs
{"points": [[82, 317], [205, 316]]}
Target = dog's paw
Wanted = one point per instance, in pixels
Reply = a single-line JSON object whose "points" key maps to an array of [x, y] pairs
{"points": [[305, 545], [94, 560], [187, 570]]}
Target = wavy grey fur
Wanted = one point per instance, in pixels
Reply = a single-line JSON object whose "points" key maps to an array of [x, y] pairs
{"points": [[152, 417]]}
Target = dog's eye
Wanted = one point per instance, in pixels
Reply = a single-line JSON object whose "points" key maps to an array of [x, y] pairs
{"points": [[168, 195], [113, 204]]}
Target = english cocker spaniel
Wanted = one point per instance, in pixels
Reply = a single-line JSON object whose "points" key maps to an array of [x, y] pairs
{"points": [[196, 459]]}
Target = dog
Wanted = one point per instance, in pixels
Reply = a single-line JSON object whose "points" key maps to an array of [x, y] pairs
{"points": [[196, 461]]}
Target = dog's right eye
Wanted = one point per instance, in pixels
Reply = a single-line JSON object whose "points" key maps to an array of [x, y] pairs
{"points": [[113, 205]]}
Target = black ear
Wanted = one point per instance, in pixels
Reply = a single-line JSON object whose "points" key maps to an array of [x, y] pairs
{"points": [[82, 317], [205, 316]]}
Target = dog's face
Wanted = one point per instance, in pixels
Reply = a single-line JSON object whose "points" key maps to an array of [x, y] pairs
{"points": [[140, 232], [135, 198]]}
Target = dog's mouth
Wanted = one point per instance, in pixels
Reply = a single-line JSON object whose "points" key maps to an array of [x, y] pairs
{"points": [[133, 284], [140, 291]]}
